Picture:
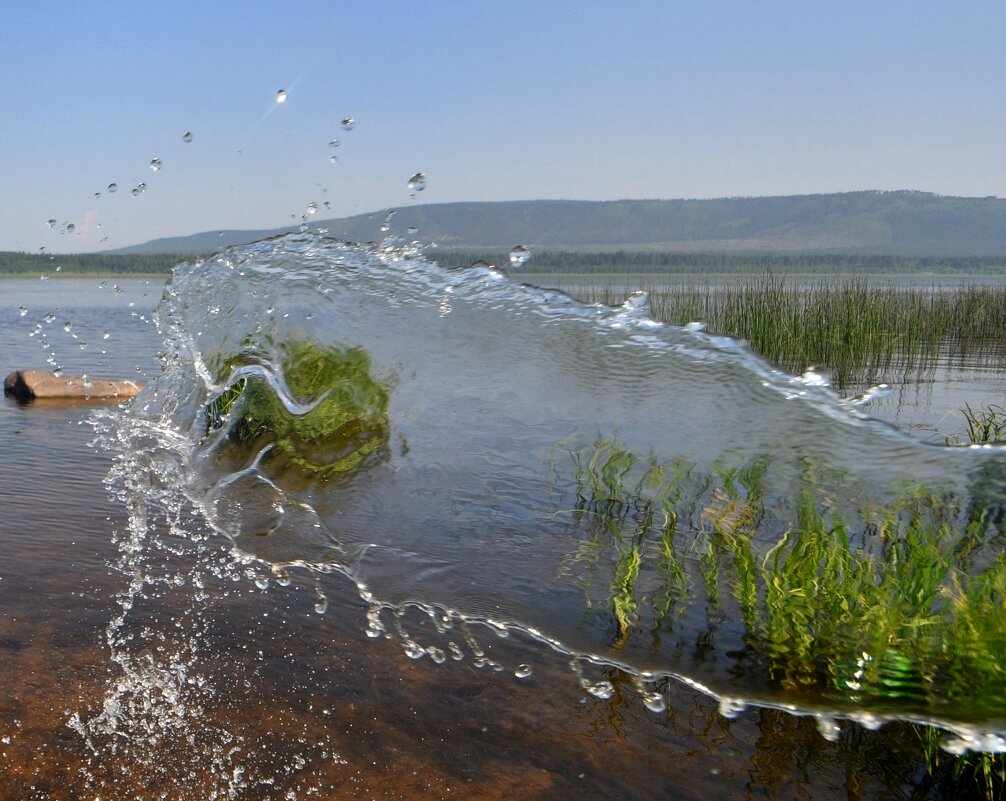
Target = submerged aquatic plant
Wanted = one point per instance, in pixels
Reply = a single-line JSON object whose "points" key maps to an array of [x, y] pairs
{"points": [[346, 424], [897, 606]]}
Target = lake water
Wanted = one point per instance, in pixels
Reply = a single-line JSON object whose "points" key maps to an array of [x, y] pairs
{"points": [[146, 654]]}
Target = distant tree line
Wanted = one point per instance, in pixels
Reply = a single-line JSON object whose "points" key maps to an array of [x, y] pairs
{"points": [[14, 263], [565, 261], [624, 261]]}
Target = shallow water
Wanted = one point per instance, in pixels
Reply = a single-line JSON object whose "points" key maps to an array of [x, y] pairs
{"points": [[144, 650]]}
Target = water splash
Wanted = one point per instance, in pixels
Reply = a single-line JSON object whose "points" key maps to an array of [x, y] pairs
{"points": [[520, 463]]}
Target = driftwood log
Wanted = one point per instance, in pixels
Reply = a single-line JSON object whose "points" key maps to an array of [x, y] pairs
{"points": [[31, 384]]}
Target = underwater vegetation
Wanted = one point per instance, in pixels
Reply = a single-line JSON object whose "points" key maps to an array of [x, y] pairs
{"points": [[892, 607], [346, 426]]}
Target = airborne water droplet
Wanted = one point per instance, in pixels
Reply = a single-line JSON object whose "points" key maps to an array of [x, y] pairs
{"points": [[281, 96], [71, 227], [22, 311], [155, 164], [348, 123], [334, 143], [522, 671], [112, 188], [105, 335], [321, 607], [417, 183], [333, 159], [519, 255], [187, 136], [51, 223], [655, 702], [312, 207]]}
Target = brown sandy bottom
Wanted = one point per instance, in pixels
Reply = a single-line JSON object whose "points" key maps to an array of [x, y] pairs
{"points": [[294, 705], [284, 703]]}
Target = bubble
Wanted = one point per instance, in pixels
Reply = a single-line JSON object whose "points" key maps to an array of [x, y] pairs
{"points": [[155, 164], [187, 136], [519, 255], [112, 188], [51, 223], [281, 96], [417, 183], [348, 123], [522, 671]]}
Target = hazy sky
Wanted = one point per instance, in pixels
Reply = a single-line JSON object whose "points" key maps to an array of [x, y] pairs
{"points": [[491, 100]]}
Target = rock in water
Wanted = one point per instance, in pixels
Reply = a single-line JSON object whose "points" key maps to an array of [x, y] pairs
{"points": [[29, 384]]}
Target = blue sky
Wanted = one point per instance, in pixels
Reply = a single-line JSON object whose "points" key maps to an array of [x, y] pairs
{"points": [[491, 100]]}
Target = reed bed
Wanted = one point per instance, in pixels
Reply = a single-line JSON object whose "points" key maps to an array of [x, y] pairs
{"points": [[852, 326]]}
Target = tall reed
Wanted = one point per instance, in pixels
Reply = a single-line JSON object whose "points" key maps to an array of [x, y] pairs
{"points": [[853, 326]]}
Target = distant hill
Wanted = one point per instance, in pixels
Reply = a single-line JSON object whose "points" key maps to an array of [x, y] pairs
{"points": [[895, 223]]}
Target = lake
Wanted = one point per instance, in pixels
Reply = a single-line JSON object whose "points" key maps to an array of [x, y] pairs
{"points": [[192, 638]]}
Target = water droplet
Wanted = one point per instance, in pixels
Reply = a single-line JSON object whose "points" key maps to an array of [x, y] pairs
{"points": [[731, 707], [312, 208], [155, 164], [43, 277], [333, 159], [97, 194], [187, 136], [50, 317], [112, 188], [519, 255], [59, 268], [67, 326], [42, 249], [281, 96], [412, 230], [417, 183], [105, 335], [522, 671], [51, 223], [348, 123], [327, 205], [71, 227], [655, 702], [694, 327], [602, 689], [321, 607], [828, 727], [334, 143]]}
